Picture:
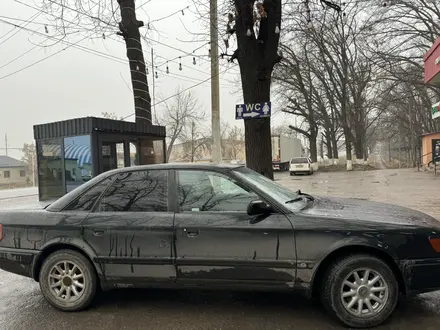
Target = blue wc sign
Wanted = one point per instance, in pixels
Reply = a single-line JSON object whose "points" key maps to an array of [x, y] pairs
{"points": [[253, 110]]}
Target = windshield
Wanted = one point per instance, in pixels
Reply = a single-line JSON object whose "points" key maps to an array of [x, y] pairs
{"points": [[299, 161], [271, 188]]}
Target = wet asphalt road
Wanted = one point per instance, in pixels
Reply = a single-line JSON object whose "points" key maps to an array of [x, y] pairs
{"points": [[23, 307]]}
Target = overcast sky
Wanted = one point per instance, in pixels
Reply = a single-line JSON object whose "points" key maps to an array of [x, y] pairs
{"points": [[75, 83]]}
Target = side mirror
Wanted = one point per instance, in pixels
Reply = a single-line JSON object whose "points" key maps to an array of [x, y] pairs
{"points": [[258, 208]]}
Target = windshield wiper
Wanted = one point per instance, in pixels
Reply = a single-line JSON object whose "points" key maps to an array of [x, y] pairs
{"points": [[299, 198], [306, 195]]}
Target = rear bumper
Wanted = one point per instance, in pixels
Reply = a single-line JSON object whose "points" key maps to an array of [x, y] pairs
{"points": [[421, 275], [301, 169], [17, 261]]}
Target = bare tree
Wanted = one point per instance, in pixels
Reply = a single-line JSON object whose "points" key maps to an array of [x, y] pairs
{"points": [[102, 18], [110, 115], [406, 31], [232, 141], [30, 159], [298, 93], [194, 141], [178, 115], [256, 25]]}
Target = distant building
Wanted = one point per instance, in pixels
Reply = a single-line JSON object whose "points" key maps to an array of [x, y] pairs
{"points": [[13, 173]]}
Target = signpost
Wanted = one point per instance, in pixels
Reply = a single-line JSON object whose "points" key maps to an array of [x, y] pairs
{"points": [[435, 110], [253, 111]]}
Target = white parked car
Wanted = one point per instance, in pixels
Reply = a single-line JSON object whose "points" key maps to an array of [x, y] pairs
{"points": [[301, 165]]}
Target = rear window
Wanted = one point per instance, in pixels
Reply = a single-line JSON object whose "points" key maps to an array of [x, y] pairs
{"points": [[299, 161]]}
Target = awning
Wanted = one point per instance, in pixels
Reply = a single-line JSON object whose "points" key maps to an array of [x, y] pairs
{"points": [[81, 153]]}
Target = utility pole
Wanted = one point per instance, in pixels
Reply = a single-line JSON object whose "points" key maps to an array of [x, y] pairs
{"points": [[154, 89], [215, 85], [6, 144]]}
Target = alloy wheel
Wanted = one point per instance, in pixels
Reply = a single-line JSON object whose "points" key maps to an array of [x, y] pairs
{"points": [[66, 281], [364, 292]]}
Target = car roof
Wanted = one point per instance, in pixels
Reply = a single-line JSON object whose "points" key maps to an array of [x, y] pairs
{"points": [[176, 166]]}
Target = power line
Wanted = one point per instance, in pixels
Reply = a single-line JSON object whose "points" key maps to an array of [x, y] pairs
{"points": [[190, 79], [161, 43], [174, 61], [143, 4], [182, 91], [24, 20], [39, 61], [20, 56], [187, 55], [55, 16], [170, 15], [97, 53], [30, 19], [86, 49], [180, 63], [81, 13], [175, 48]]}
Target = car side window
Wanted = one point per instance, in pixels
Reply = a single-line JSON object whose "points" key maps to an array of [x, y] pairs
{"points": [[200, 191], [140, 191], [86, 201]]}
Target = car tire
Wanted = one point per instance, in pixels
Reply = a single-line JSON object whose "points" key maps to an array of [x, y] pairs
{"points": [[68, 291], [338, 297], [291, 173]]}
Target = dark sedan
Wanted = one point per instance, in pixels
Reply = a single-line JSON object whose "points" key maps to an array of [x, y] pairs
{"points": [[222, 227]]}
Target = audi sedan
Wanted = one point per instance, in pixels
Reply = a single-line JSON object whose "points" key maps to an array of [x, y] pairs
{"points": [[227, 227]]}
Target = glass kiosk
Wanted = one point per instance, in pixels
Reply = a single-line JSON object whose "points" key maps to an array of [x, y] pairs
{"points": [[73, 151]]}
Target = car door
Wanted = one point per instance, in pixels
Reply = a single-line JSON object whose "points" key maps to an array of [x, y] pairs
{"points": [[131, 229], [216, 240]]}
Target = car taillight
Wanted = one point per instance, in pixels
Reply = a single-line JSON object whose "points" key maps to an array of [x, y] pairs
{"points": [[435, 243], [1, 232]]}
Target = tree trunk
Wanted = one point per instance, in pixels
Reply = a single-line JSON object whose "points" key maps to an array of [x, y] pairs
{"points": [[258, 141], [321, 148], [257, 56], [313, 148], [365, 154], [359, 148], [329, 146], [389, 151], [129, 29], [335, 148], [348, 148]]}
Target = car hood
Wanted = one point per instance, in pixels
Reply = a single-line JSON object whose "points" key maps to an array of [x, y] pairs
{"points": [[351, 209]]}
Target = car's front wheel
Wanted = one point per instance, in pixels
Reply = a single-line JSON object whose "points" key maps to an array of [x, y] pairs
{"points": [[68, 280], [360, 290]]}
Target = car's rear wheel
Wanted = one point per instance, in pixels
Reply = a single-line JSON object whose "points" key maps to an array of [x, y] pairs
{"points": [[360, 290], [291, 173], [68, 280]]}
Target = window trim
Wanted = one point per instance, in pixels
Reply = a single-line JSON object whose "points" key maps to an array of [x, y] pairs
{"points": [[64, 209], [4, 174], [95, 208], [220, 173]]}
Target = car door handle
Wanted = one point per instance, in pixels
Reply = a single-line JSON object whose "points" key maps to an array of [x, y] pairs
{"points": [[191, 233], [98, 232]]}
